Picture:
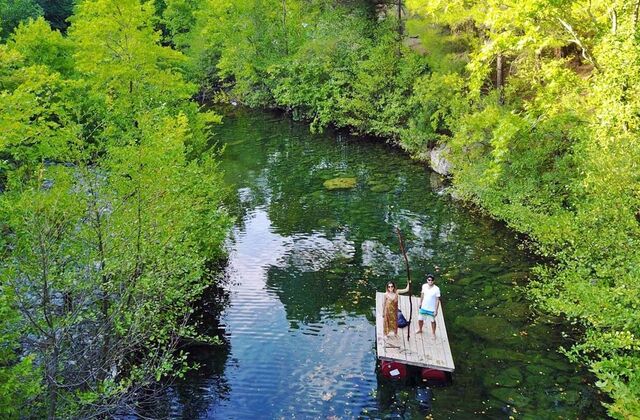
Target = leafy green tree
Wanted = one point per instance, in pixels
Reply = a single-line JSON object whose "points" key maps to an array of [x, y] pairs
{"points": [[39, 45], [179, 18], [111, 217], [548, 146], [19, 381], [12, 12], [56, 12]]}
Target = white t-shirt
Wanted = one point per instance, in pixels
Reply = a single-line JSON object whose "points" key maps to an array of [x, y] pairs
{"points": [[430, 297]]}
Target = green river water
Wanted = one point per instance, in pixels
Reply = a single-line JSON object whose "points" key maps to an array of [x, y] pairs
{"points": [[299, 290]]}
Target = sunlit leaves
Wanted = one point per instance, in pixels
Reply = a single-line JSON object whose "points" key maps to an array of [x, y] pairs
{"points": [[110, 212]]}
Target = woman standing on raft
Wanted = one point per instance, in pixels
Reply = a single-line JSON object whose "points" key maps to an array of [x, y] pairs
{"points": [[390, 308]]}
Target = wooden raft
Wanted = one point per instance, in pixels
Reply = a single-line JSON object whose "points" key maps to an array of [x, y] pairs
{"points": [[421, 349]]}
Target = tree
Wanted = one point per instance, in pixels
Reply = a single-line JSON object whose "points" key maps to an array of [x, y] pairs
{"points": [[12, 12], [103, 260], [56, 12]]}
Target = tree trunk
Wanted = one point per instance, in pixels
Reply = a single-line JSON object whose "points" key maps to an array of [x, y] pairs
{"points": [[105, 303], [284, 27], [400, 28], [499, 78], [51, 372], [614, 21]]}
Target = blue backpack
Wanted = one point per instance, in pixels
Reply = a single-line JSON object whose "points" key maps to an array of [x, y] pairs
{"points": [[402, 321]]}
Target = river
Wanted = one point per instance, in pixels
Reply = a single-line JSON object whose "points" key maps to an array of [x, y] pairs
{"points": [[304, 265]]}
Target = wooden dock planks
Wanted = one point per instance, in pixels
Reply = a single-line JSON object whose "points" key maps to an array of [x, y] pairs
{"points": [[421, 349]]}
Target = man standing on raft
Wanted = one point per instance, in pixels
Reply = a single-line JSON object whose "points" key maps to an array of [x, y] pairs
{"points": [[429, 304]]}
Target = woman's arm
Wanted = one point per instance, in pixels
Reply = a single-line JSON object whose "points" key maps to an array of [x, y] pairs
{"points": [[406, 289]]}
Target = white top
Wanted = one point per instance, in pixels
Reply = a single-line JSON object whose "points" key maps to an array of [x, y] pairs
{"points": [[430, 297]]}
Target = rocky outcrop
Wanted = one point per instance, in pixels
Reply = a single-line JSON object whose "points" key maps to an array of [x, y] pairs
{"points": [[438, 160]]}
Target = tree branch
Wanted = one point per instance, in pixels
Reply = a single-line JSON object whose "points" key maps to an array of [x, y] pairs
{"points": [[576, 40]]}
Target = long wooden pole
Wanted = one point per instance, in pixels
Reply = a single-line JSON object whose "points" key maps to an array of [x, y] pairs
{"points": [[406, 262]]}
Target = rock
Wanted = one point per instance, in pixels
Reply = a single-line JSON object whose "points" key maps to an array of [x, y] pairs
{"points": [[379, 188], [537, 368], [439, 163], [512, 277], [510, 396], [490, 329], [491, 259], [340, 183], [329, 223], [424, 396], [488, 289], [570, 396], [504, 355], [491, 302], [511, 310], [493, 269], [454, 194], [437, 183], [549, 364], [471, 278], [507, 378]]}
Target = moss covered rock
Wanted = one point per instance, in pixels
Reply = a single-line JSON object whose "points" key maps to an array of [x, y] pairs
{"points": [[486, 327], [510, 396], [511, 310], [379, 188], [507, 378], [501, 354], [340, 183]]}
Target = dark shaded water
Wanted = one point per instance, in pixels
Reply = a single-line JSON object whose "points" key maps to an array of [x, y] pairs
{"points": [[304, 266]]}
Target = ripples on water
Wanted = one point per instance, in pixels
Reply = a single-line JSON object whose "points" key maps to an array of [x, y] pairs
{"points": [[303, 269], [319, 367]]}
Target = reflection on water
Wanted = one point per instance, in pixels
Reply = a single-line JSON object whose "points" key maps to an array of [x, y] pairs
{"points": [[304, 266]]}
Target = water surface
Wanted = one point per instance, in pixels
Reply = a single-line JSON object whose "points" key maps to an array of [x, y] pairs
{"points": [[305, 263]]}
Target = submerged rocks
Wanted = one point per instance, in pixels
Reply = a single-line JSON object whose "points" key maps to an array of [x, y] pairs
{"points": [[508, 378], [501, 354], [511, 310], [340, 183], [488, 328], [510, 396]]}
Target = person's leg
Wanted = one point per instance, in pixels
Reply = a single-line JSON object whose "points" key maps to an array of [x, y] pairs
{"points": [[420, 324], [433, 328]]}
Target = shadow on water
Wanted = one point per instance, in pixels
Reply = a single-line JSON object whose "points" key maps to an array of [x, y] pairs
{"points": [[204, 387], [305, 262]]}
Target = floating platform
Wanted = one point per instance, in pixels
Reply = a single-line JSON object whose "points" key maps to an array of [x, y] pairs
{"points": [[421, 349]]}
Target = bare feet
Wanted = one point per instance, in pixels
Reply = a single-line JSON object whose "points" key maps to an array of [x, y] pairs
{"points": [[418, 331]]}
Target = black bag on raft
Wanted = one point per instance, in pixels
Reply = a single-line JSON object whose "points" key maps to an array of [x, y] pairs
{"points": [[402, 321]]}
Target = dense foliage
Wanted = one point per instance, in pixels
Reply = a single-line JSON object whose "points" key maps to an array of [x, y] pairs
{"points": [[111, 208], [534, 101], [12, 12]]}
